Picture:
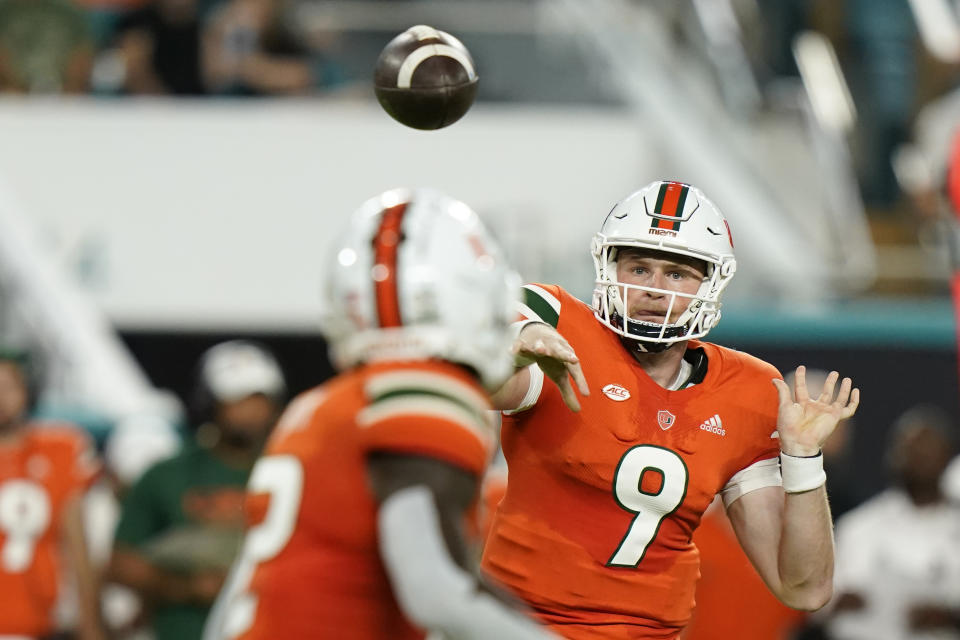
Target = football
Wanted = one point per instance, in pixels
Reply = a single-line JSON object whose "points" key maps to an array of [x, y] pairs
{"points": [[425, 78]]}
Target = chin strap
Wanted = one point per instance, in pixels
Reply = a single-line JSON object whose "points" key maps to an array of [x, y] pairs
{"points": [[643, 335], [641, 346]]}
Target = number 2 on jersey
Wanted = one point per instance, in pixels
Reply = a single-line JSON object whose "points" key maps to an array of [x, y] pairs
{"points": [[652, 505], [282, 478]]}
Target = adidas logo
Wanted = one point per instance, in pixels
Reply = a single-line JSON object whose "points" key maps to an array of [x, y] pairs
{"points": [[714, 425]]}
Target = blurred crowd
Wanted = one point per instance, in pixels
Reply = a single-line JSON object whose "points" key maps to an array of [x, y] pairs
{"points": [[265, 47], [159, 47]]}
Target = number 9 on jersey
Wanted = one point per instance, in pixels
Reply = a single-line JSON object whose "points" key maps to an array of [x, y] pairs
{"points": [[650, 507]]}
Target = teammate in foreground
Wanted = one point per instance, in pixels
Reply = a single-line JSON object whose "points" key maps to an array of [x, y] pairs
{"points": [[360, 498], [594, 531]]}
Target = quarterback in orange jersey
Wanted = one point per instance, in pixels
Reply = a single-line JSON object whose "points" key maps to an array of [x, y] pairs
{"points": [[356, 507], [44, 472], [594, 531]]}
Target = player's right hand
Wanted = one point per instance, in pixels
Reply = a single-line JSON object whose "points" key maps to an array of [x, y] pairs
{"points": [[542, 344]]}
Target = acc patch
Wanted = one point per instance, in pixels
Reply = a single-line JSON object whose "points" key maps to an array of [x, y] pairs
{"points": [[616, 392]]}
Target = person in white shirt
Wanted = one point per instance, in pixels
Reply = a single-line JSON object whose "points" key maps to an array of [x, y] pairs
{"points": [[898, 555]]}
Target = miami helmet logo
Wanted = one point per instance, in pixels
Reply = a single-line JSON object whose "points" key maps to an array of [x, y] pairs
{"points": [[665, 419], [669, 208]]}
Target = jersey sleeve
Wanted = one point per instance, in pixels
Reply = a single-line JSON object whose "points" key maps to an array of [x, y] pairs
{"points": [[763, 467], [427, 413], [760, 474], [540, 303]]}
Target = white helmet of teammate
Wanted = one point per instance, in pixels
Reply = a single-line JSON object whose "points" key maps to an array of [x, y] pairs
{"points": [[675, 218], [415, 276]]}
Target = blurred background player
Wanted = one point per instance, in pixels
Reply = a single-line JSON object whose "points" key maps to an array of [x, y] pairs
{"points": [[134, 445], [595, 529], [358, 505], [180, 524], [898, 571], [45, 470]]}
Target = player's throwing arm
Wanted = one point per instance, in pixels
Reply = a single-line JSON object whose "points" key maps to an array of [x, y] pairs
{"points": [[539, 343]]}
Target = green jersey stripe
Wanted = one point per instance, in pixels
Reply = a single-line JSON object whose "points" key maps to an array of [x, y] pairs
{"points": [[543, 304], [527, 312], [419, 392], [423, 405], [429, 382]]}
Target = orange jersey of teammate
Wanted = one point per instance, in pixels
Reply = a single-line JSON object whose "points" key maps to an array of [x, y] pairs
{"points": [[595, 529], [310, 566], [39, 473]]}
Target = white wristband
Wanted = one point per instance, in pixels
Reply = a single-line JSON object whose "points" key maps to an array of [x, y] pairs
{"points": [[520, 325], [802, 474]]}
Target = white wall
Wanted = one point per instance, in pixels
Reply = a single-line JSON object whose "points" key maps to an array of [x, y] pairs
{"points": [[215, 215]]}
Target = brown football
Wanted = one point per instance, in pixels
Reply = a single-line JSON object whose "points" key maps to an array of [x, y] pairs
{"points": [[425, 78]]}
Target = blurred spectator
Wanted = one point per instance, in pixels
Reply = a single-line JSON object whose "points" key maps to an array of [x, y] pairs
{"points": [[45, 470], [898, 567], [782, 20], [134, 445], [249, 50], [882, 40], [732, 600], [181, 522], [159, 46], [877, 41], [45, 47]]}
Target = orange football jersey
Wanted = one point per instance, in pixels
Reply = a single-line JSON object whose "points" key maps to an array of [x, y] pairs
{"points": [[595, 529], [39, 472], [310, 566]]}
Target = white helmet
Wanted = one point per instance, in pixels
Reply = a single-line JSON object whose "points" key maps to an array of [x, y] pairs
{"points": [[415, 276], [675, 218]]}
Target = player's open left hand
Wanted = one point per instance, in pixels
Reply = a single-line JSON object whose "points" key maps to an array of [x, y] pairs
{"points": [[542, 344], [804, 423]]}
